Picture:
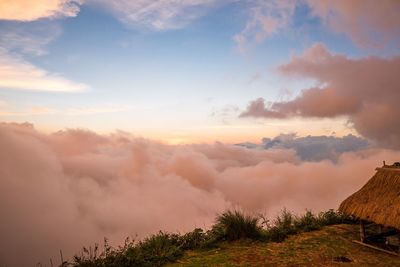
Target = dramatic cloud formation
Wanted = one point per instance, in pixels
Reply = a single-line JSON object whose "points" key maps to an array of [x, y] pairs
{"points": [[365, 89], [16, 73], [26, 10], [313, 148], [74, 187], [156, 15]]}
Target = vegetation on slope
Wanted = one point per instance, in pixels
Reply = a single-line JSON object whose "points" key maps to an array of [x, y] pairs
{"points": [[329, 246], [162, 248]]}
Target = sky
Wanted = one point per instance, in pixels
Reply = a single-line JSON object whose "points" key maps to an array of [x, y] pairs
{"points": [[177, 71], [122, 118]]}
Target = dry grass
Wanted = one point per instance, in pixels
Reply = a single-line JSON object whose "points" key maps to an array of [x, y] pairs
{"points": [[378, 200]]}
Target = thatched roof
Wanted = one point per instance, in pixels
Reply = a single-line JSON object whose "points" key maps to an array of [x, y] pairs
{"points": [[378, 200]]}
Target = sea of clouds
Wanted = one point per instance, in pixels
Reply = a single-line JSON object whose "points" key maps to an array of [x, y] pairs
{"points": [[75, 187]]}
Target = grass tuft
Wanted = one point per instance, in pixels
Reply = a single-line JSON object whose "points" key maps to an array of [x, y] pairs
{"points": [[234, 225]]}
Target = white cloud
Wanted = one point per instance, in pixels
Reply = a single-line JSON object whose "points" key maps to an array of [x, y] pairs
{"points": [[16, 73], [29, 38], [266, 18], [157, 14]]}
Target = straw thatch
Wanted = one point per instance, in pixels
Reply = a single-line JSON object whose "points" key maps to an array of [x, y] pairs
{"points": [[378, 200]]}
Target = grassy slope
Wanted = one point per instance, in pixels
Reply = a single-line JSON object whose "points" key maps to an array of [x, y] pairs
{"points": [[318, 248]]}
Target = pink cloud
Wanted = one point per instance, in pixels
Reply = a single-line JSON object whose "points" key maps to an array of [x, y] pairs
{"points": [[365, 90], [367, 23]]}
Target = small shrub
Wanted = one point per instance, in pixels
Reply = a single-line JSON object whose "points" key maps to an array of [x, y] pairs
{"points": [[160, 249], [88, 257], [156, 250], [331, 217], [213, 236], [287, 224], [282, 227], [285, 221], [307, 222], [276, 234], [192, 240], [234, 225]]}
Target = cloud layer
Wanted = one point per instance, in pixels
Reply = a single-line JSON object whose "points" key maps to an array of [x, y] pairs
{"points": [[365, 89], [73, 187]]}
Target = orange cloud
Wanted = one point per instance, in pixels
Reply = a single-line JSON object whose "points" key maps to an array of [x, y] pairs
{"points": [[26, 10]]}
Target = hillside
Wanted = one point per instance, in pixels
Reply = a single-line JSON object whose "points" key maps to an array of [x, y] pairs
{"points": [[330, 246]]}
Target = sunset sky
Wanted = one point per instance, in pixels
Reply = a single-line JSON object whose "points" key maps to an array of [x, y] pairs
{"points": [[178, 71], [122, 118]]}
